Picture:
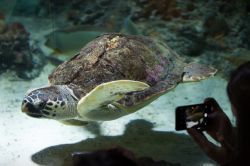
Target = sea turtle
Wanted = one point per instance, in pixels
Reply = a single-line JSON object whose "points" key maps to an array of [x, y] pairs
{"points": [[112, 76]]}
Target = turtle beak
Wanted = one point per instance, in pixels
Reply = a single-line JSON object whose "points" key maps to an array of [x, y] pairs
{"points": [[30, 109], [24, 108]]}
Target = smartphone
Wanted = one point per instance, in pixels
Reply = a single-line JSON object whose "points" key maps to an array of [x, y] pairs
{"points": [[192, 116]]}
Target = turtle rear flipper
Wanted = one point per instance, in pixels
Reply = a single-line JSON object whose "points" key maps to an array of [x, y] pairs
{"points": [[97, 104], [196, 72]]}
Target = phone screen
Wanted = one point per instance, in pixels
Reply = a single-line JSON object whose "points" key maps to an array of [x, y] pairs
{"points": [[192, 116]]}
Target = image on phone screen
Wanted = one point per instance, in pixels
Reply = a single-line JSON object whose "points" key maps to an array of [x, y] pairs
{"points": [[192, 116]]}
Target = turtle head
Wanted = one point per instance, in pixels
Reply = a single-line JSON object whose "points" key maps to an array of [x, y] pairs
{"points": [[53, 102]]}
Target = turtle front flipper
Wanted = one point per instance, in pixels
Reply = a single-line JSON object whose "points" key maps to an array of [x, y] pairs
{"points": [[74, 122], [97, 104]]}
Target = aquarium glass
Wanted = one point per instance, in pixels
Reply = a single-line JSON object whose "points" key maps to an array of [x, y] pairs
{"points": [[36, 36]]}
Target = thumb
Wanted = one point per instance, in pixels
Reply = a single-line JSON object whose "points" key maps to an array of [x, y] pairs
{"points": [[209, 148], [224, 142]]}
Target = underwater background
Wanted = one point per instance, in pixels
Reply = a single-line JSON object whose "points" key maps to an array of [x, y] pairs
{"points": [[38, 35]]}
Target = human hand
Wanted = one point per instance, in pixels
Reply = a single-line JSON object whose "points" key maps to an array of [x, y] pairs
{"points": [[220, 129]]}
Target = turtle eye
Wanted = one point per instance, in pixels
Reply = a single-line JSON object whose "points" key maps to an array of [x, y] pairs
{"points": [[24, 101]]}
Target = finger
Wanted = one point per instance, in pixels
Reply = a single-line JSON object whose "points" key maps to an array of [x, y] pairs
{"points": [[210, 100], [212, 134], [198, 137], [208, 147], [225, 143], [224, 140], [213, 103], [213, 122]]}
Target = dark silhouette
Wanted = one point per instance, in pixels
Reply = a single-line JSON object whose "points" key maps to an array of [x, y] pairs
{"points": [[148, 145], [235, 143], [110, 157], [238, 90], [115, 157]]}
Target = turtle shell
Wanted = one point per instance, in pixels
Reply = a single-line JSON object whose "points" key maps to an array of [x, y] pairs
{"points": [[117, 57]]}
